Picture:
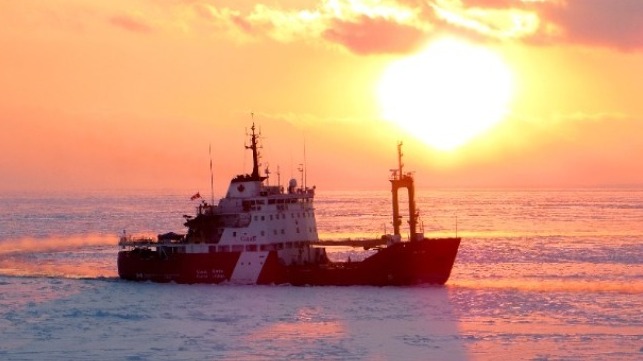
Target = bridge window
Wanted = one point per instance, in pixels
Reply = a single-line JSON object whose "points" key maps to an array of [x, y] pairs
{"points": [[251, 248], [237, 248]]}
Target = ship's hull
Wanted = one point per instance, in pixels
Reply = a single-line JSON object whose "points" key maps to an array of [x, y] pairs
{"points": [[427, 261]]}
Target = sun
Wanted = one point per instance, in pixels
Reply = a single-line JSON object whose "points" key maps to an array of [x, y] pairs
{"points": [[448, 94]]}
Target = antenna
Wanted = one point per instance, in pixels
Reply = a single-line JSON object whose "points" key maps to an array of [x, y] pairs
{"points": [[301, 170], [211, 174], [267, 171], [244, 153], [399, 159], [305, 165], [278, 177]]}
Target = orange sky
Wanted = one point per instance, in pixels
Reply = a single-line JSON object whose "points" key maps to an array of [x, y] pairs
{"points": [[129, 95]]}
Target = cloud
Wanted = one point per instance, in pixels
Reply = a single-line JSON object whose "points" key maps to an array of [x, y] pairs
{"points": [[361, 26], [366, 26], [610, 23], [261, 22], [375, 35], [598, 23], [491, 19], [130, 23], [375, 26]]}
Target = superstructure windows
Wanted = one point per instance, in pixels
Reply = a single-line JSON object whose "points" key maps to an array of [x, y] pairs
{"points": [[237, 248], [251, 248]]}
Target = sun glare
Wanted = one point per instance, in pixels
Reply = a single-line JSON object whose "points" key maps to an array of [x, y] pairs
{"points": [[448, 94]]}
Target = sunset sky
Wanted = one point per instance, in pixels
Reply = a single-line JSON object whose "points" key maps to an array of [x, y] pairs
{"points": [[123, 95]]}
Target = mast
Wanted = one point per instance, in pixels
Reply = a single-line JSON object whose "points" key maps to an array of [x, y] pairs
{"points": [[255, 155], [401, 180]]}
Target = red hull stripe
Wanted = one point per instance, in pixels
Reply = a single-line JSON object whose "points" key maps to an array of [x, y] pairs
{"points": [[407, 263]]}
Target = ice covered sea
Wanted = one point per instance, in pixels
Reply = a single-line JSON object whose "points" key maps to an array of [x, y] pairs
{"points": [[541, 275]]}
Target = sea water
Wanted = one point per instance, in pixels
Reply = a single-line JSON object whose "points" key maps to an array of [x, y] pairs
{"points": [[540, 275]]}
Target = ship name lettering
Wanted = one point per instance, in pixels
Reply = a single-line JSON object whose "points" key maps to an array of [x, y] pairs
{"points": [[248, 238], [218, 273], [201, 274]]}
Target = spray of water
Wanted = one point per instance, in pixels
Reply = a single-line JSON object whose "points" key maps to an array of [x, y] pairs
{"points": [[56, 243], [87, 256]]}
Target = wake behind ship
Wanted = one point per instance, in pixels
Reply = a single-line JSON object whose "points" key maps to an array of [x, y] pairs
{"points": [[262, 234]]}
